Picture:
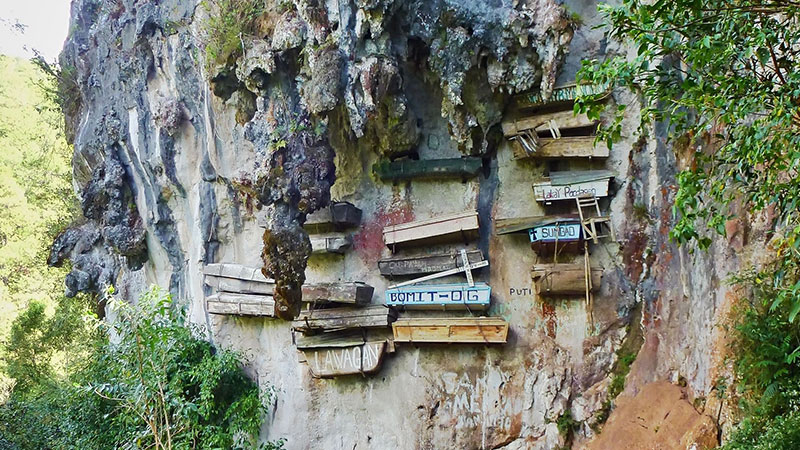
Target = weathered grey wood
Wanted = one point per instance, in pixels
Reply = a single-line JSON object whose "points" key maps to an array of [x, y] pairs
{"points": [[358, 359], [565, 93], [441, 228], [564, 279], [347, 338], [241, 304], [335, 319], [428, 169], [338, 216], [239, 286], [420, 265], [237, 271], [565, 147], [351, 293], [539, 122], [332, 243], [470, 330], [523, 224]]}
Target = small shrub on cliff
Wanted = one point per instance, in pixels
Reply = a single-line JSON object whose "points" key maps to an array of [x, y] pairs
{"points": [[227, 23], [156, 384]]}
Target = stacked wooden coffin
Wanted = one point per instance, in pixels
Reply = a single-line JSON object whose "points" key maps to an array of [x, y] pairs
{"points": [[418, 294], [548, 128], [340, 332], [327, 228], [239, 290]]}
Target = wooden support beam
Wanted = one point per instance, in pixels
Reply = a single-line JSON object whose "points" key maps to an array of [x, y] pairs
{"points": [[349, 293], [438, 229], [477, 330], [564, 279], [523, 224]]}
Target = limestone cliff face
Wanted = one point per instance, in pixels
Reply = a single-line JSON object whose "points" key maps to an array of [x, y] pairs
{"points": [[174, 162]]}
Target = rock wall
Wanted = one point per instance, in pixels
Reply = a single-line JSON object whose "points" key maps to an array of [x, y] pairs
{"points": [[174, 163]]}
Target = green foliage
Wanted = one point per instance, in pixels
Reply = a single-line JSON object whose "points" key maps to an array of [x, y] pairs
{"points": [[35, 192], [226, 24], [566, 424], [722, 75], [157, 384], [768, 375]]}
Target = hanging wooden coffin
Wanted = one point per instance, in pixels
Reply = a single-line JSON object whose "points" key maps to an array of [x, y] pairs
{"points": [[441, 296], [524, 224], [407, 169], [338, 216], [348, 293], [569, 185], [419, 265], [561, 94], [336, 243], [352, 360], [241, 304], [237, 278], [337, 319], [564, 279], [540, 136], [468, 330], [438, 229]]}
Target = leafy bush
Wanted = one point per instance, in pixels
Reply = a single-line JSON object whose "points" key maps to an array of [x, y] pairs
{"points": [[156, 384], [228, 21]]}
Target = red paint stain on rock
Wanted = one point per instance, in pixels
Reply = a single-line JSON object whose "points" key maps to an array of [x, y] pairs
{"points": [[368, 242], [549, 314]]}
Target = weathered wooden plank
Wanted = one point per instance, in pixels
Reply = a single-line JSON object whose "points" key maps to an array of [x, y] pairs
{"points": [[563, 186], [335, 319], [565, 147], [358, 359], [236, 271], [347, 338], [240, 304], [477, 330], [523, 224], [352, 293], [565, 93], [539, 122], [338, 216], [564, 279], [446, 227], [406, 169], [441, 296], [239, 286], [417, 265], [332, 243]]}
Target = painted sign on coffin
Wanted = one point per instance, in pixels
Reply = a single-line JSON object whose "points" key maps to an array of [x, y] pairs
{"points": [[330, 362], [452, 296], [545, 192], [562, 232]]}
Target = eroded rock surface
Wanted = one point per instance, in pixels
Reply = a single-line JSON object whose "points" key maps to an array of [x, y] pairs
{"points": [[175, 155]]}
